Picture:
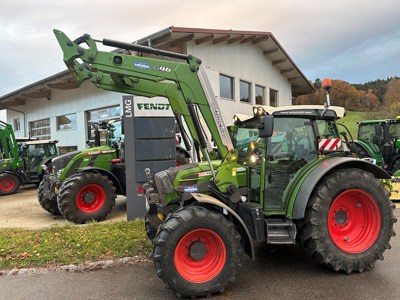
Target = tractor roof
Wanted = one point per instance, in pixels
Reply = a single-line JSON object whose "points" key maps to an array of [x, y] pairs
{"points": [[39, 142], [367, 122], [338, 112]]}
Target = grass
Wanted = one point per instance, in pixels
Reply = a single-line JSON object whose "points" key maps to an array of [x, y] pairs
{"points": [[350, 121], [72, 244]]}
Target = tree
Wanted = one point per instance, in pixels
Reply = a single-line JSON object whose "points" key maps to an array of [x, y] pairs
{"points": [[341, 94], [392, 95], [368, 101]]}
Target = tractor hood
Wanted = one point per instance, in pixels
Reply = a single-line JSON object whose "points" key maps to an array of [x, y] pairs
{"points": [[186, 179]]}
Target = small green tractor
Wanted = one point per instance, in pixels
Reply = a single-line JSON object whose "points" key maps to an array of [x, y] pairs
{"points": [[82, 185], [22, 160], [283, 176]]}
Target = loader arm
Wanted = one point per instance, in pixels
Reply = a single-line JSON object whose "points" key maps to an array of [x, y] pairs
{"points": [[184, 82]]}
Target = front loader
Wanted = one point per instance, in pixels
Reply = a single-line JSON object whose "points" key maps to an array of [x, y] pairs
{"points": [[283, 176]]}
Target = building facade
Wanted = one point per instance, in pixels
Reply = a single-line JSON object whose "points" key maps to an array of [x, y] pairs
{"points": [[245, 68]]}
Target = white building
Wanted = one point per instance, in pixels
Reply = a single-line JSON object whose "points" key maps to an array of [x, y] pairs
{"points": [[244, 68]]}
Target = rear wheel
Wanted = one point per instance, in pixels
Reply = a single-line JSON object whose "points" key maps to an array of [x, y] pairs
{"points": [[348, 222], [47, 198], [85, 197], [9, 184], [197, 252]]}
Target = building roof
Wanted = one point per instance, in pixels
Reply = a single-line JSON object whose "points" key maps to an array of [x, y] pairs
{"points": [[173, 39]]}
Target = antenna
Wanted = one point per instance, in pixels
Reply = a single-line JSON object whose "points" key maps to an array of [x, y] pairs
{"points": [[326, 85]]}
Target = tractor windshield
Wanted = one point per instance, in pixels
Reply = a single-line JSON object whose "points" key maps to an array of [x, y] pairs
{"points": [[372, 133]]}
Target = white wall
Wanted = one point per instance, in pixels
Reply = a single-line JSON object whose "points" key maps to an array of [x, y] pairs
{"points": [[241, 61], [3, 115], [63, 102]]}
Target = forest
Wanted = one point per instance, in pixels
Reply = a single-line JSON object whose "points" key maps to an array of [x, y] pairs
{"points": [[378, 99]]}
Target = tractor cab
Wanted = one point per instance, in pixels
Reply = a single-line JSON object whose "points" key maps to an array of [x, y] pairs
{"points": [[300, 136], [380, 140], [35, 153]]}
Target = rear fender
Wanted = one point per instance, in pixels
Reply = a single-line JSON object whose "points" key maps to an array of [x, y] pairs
{"points": [[312, 179], [110, 175], [244, 232]]}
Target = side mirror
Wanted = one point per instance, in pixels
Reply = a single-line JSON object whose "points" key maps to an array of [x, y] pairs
{"points": [[266, 126]]}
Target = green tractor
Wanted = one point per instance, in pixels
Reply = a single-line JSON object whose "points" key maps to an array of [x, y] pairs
{"points": [[82, 185], [380, 141], [283, 176], [22, 159]]}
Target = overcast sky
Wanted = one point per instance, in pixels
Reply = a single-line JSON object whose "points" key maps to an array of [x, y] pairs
{"points": [[356, 40]]}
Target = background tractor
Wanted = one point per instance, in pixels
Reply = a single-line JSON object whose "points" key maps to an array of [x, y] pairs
{"points": [[83, 185], [380, 140], [22, 160], [283, 178]]}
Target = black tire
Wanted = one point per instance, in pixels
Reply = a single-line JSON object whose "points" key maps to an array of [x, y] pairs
{"points": [[348, 221], [181, 237], [151, 224], [86, 196], [9, 184], [47, 199]]}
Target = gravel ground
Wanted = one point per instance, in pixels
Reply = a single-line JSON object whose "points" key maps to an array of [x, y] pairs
{"points": [[22, 210]]}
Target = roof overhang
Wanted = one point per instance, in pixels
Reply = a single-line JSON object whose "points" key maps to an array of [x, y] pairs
{"points": [[173, 39]]}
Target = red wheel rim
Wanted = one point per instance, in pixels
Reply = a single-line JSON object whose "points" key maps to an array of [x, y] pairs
{"points": [[7, 185], [200, 255], [354, 221], [91, 198]]}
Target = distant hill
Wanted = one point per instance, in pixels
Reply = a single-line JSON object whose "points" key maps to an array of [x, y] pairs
{"points": [[379, 87]]}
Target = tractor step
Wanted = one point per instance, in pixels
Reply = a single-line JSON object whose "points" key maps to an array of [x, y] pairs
{"points": [[281, 232]]}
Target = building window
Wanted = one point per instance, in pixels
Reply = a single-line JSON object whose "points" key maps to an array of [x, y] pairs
{"points": [[102, 114], [66, 122], [245, 93], [260, 95], [226, 86], [17, 124], [40, 129], [66, 149], [273, 97]]}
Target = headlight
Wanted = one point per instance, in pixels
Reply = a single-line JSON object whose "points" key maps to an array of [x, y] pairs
{"points": [[59, 172]]}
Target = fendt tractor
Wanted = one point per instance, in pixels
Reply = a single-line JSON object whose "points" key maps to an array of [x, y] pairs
{"points": [[283, 176], [21, 161], [82, 185]]}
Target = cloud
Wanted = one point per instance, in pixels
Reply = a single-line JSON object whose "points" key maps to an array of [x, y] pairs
{"points": [[350, 40]]}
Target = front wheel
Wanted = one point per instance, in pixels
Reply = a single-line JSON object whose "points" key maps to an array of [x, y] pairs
{"points": [[48, 198], [9, 184], [86, 196], [348, 222], [197, 252]]}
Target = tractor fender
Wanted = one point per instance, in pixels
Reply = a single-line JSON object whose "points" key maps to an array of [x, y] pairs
{"points": [[244, 232], [107, 173], [312, 179]]}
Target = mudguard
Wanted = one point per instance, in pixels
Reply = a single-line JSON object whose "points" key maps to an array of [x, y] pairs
{"points": [[110, 175], [312, 179], [248, 245]]}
